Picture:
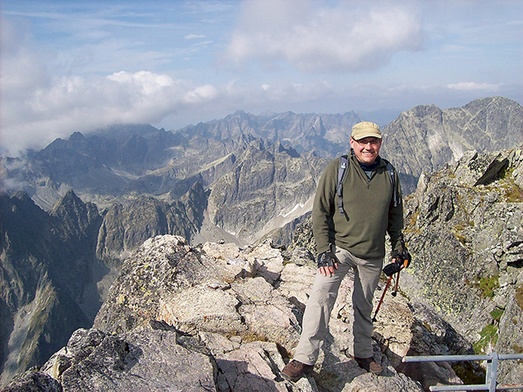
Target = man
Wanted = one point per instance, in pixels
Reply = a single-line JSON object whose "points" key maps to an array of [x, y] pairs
{"points": [[350, 234]]}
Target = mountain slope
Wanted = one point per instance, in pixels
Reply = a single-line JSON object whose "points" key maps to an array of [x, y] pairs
{"points": [[47, 271], [57, 266], [426, 138], [121, 161], [230, 179]]}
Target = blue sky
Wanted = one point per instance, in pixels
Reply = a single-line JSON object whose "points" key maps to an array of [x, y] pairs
{"points": [[81, 65]]}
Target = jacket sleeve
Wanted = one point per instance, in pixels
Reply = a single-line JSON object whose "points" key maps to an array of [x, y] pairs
{"points": [[395, 227], [324, 207]]}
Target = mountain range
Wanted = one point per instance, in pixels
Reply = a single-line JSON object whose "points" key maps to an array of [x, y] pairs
{"points": [[219, 317], [73, 211]]}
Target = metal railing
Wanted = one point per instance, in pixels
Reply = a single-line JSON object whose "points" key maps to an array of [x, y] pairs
{"points": [[492, 360]]}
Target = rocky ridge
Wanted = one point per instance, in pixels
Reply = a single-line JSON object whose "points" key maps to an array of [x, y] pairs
{"points": [[114, 165], [426, 138], [221, 318], [151, 169], [465, 228], [236, 312]]}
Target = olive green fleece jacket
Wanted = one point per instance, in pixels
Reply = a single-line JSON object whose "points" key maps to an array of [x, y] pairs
{"points": [[369, 211]]}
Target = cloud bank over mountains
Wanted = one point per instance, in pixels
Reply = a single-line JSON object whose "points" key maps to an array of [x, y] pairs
{"points": [[90, 65]]}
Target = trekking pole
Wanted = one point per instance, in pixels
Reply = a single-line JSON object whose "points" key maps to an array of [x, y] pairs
{"points": [[381, 299], [402, 261], [395, 291]]}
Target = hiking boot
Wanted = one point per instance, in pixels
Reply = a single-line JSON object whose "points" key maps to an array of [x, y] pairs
{"points": [[294, 370], [369, 364]]}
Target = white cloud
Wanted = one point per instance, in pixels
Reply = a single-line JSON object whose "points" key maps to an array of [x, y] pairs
{"points": [[146, 82], [37, 107], [18, 61], [201, 94], [194, 36], [471, 86], [352, 36], [76, 103]]}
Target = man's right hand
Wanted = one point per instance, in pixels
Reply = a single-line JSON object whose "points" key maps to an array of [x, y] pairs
{"points": [[399, 259], [327, 263]]}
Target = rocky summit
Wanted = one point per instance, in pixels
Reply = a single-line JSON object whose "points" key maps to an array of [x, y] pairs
{"points": [[464, 224], [213, 318]]}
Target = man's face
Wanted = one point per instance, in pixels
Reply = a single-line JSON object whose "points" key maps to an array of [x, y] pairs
{"points": [[366, 149]]}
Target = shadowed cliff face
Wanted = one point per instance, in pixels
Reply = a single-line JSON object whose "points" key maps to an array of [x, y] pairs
{"points": [[46, 280]]}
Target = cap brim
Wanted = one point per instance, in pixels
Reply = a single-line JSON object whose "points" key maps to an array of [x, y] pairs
{"points": [[359, 137]]}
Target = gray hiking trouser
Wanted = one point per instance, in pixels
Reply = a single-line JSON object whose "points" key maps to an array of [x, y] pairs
{"points": [[322, 299]]}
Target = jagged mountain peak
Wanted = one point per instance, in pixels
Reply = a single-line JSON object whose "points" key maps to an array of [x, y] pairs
{"points": [[22, 196], [490, 102], [76, 136], [77, 216], [70, 198]]}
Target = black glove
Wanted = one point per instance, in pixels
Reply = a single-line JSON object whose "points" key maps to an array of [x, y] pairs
{"points": [[402, 259], [326, 259], [402, 255], [392, 268]]}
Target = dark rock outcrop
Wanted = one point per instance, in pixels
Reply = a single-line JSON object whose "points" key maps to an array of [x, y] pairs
{"points": [[465, 230]]}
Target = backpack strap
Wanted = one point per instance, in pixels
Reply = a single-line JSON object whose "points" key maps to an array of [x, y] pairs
{"points": [[395, 192], [344, 161]]}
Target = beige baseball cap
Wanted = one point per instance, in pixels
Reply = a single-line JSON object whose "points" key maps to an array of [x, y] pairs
{"points": [[365, 129]]}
